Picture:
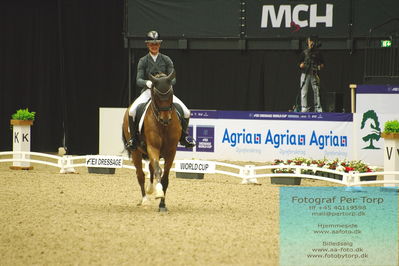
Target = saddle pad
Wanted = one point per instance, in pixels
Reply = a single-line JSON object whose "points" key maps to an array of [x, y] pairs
{"points": [[179, 111], [143, 115]]}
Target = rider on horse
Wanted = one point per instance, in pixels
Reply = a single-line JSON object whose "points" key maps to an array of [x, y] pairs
{"points": [[155, 63]]}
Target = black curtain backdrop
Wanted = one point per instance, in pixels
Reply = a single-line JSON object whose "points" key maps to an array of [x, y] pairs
{"points": [[64, 59], [264, 80]]}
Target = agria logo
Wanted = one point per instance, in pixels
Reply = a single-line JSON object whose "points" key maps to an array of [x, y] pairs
{"points": [[371, 124]]}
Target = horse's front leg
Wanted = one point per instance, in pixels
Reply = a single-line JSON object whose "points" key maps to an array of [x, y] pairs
{"points": [[159, 193], [137, 161], [154, 154], [165, 184], [150, 185]]}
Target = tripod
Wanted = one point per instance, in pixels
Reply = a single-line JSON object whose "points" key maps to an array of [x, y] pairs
{"points": [[297, 106]]}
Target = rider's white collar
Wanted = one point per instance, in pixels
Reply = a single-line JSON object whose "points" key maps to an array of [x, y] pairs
{"points": [[154, 57]]}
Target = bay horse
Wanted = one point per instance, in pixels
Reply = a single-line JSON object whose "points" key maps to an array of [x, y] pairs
{"points": [[158, 139]]}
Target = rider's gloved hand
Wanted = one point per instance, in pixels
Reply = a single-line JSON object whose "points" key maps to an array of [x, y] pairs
{"points": [[148, 83]]}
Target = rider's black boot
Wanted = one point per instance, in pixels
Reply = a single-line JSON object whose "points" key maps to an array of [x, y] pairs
{"points": [[132, 144], [186, 140]]}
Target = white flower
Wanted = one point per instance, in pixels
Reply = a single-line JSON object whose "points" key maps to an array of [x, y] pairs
{"points": [[340, 168]]}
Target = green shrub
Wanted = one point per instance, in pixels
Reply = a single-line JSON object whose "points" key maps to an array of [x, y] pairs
{"points": [[23, 114], [391, 126]]}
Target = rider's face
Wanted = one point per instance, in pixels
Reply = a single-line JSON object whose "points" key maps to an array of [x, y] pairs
{"points": [[153, 47], [310, 43]]}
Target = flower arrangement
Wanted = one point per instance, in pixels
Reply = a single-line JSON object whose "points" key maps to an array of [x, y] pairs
{"points": [[282, 170], [359, 166], [336, 164]]}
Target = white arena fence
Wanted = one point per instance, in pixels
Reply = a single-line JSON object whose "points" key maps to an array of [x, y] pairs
{"points": [[247, 173]]}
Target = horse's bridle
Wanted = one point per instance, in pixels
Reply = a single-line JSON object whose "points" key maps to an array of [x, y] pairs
{"points": [[156, 110]]}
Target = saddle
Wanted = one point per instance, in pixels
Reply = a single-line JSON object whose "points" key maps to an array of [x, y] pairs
{"points": [[139, 120], [141, 109]]}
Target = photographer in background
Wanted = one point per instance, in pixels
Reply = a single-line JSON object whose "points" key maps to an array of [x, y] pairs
{"points": [[311, 62]]}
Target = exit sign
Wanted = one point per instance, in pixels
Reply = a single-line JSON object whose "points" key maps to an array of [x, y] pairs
{"points": [[386, 43]]}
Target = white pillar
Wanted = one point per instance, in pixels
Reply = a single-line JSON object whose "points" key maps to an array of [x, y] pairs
{"points": [[391, 156], [21, 142]]}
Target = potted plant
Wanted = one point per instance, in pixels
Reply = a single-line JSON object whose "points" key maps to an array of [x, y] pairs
{"points": [[23, 118], [21, 121], [391, 130], [391, 146]]}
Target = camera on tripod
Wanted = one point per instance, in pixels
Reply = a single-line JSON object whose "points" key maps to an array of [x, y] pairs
{"points": [[310, 63], [316, 41], [310, 60], [316, 44]]}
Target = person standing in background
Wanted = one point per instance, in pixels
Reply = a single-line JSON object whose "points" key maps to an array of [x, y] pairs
{"points": [[310, 63]]}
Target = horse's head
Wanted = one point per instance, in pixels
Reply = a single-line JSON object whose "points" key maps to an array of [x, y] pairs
{"points": [[162, 97]]}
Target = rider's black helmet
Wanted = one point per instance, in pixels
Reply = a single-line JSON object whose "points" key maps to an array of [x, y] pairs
{"points": [[153, 37]]}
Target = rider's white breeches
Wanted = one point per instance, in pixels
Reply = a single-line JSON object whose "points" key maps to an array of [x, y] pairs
{"points": [[146, 95]]}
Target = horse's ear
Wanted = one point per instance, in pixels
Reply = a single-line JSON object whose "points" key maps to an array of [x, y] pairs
{"points": [[172, 75], [152, 78]]}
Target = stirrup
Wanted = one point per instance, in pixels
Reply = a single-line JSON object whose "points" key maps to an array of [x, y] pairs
{"points": [[132, 144], [186, 142]]}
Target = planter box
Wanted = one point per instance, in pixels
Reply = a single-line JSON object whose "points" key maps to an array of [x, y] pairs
{"points": [[340, 177], [101, 170], [368, 178], [286, 180], [320, 173], [390, 135], [325, 174], [190, 175], [336, 176], [329, 175], [15, 122]]}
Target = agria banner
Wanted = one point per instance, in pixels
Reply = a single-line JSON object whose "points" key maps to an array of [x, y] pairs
{"points": [[265, 136]]}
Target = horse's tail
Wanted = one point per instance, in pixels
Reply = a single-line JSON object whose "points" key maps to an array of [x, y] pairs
{"points": [[125, 143]]}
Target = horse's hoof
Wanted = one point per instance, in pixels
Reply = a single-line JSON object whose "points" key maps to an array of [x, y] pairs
{"points": [[159, 195], [163, 209], [144, 202]]}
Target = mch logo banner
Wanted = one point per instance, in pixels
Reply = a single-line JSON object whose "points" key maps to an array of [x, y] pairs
{"points": [[301, 15]]}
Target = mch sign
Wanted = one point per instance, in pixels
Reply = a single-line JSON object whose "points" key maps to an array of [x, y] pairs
{"points": [[302, 15]]}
